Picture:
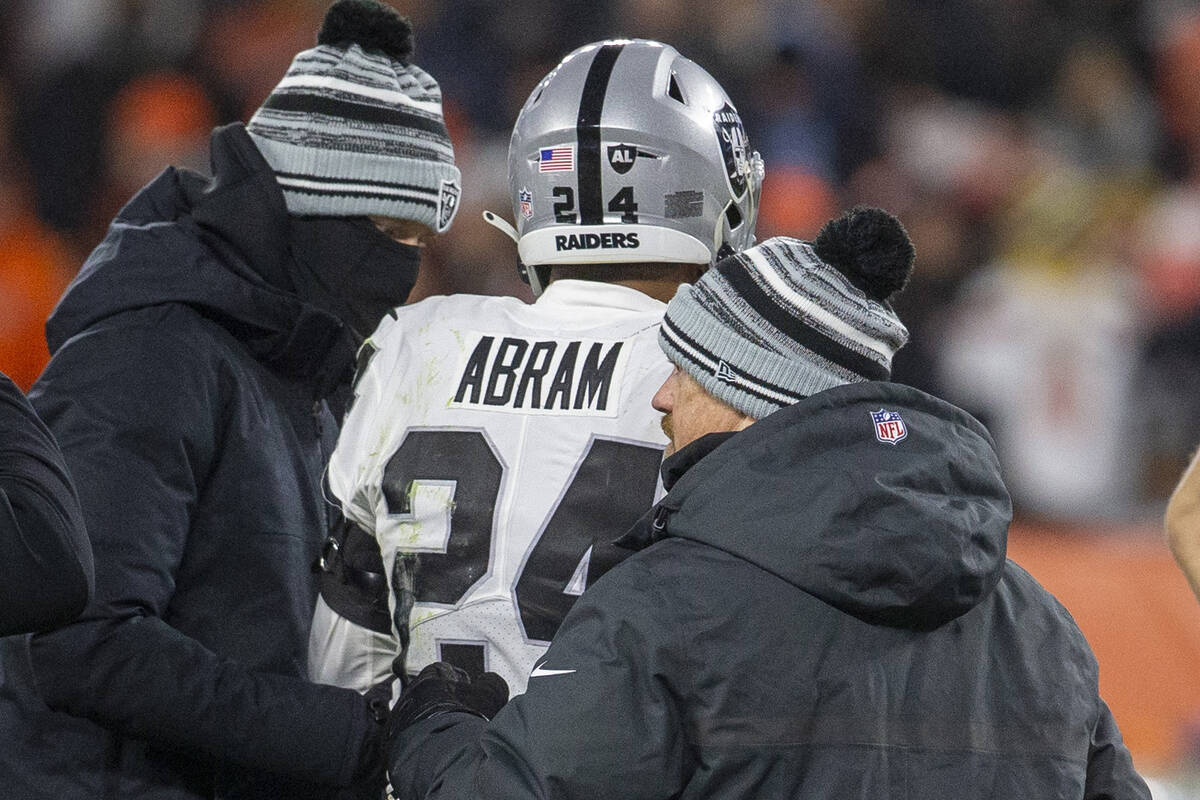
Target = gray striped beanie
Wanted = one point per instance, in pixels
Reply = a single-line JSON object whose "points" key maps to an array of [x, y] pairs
{"points": [[786, 319], [353, 129]]}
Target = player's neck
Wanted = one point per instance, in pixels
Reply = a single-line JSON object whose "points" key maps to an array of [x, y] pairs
{"points": [[657, 280], [661, 289]]}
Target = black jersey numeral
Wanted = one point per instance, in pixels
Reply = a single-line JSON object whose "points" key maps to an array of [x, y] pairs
{"points": [[612, 486], [623, 201], [465, 460], [564, 209]]}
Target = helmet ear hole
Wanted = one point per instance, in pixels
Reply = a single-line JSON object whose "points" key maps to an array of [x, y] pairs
{"points": [[733, 216], [673, 90]]}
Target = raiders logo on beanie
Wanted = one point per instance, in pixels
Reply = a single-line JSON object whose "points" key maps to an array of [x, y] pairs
{"points": [[355, 129]]}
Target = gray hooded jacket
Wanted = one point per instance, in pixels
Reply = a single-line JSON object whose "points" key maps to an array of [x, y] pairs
{"points": [[815, 613]]}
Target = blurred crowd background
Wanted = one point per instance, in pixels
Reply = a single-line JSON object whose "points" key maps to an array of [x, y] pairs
{"points": [[1044, 155]]}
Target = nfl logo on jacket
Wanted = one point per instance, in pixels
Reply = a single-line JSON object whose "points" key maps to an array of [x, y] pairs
{"points": [[889, 427]]}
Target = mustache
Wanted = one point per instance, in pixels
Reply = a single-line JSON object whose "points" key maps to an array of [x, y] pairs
{"points": [[667, 427]]}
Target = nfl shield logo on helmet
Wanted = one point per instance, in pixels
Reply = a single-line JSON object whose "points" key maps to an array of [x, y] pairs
{"points": [[525, 198], [889, 427]]}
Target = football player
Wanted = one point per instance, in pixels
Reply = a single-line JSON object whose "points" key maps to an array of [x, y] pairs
{"points": [[494, 449]]}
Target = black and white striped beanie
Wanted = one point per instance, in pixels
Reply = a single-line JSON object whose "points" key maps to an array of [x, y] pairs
{"points": [[354, 129], [786, 319]]}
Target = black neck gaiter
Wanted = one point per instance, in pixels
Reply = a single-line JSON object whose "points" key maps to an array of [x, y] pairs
{"points": [[351, 269]]}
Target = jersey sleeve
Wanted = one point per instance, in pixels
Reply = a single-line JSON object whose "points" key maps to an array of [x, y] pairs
{"points": [[355, 469], [343, 651]]}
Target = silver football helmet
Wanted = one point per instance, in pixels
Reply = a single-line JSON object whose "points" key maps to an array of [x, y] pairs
{"points": [[629, 152]]}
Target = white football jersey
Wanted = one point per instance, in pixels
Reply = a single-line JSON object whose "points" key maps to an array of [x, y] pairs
{"points": [[507, 444]]}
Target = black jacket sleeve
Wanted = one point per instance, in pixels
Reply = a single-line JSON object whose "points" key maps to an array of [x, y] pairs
{"points": [[134, 412], [600, 717], [46, 575], [1110, 772]]}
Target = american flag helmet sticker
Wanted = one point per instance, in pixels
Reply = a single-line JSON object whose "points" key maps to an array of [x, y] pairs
{"points": [[556, 159]]}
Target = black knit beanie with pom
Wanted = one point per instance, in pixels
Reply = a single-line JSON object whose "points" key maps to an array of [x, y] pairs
{"points": [[786, 319]]}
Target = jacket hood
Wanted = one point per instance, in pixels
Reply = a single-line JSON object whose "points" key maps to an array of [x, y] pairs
{"points": [[910, 534], [219, 245]]}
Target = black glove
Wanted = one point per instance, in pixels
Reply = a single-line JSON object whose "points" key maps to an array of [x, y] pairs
{"points": [[441, 688]]}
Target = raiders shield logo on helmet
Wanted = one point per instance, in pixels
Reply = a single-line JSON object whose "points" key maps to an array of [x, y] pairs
{"points": [[732, 138], [621, 157], [447, 204]]}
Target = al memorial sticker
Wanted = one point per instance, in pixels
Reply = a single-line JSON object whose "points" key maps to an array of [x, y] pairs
{"points": [[889, 427]]}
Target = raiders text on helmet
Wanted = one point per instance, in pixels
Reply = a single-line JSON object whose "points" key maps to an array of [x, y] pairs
{"points": [[629, 152]]}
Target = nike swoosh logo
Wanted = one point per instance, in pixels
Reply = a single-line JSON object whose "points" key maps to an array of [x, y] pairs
{"points": [[538, 672]]}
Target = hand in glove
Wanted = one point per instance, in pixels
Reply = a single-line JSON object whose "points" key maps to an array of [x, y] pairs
{"points": [[441, 688]]}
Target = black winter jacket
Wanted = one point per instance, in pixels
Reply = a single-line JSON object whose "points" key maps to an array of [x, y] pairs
{"points": [[816, 614], [46, 573], [186, 393]]}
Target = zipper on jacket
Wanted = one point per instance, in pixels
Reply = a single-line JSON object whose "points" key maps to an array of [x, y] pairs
{"points": [[658, 526]]}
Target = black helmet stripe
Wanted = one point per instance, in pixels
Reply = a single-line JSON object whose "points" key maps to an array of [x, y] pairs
{"points": [[587, 132]]}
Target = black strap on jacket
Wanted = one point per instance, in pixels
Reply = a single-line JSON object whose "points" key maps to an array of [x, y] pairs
{"points": [[353, 582]]}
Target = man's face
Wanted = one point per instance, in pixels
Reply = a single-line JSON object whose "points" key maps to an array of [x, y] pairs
{"points": [[404, 231], [690, 412]]}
